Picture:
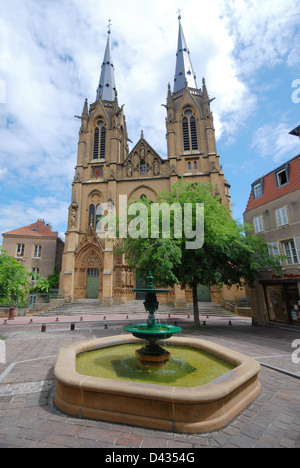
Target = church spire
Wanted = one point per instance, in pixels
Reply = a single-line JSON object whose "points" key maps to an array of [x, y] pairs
{"points": [[107, 85], [184, 74]]}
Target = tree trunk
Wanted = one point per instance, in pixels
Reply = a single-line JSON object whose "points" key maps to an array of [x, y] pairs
{"points": [[195, 305]]}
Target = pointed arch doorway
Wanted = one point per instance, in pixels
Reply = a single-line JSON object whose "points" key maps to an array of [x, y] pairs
{"points": [[92, 283], [89, 268]]}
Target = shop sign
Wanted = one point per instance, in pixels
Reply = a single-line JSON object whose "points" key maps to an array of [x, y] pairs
{"points": [[286, 275]]}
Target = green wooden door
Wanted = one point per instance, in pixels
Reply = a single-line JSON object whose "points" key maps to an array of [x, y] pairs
{"points": [[203, 293], [92, 283]]}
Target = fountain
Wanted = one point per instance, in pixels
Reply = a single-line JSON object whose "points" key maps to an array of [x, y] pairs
{"points": [[141, 390], [152, 353]]}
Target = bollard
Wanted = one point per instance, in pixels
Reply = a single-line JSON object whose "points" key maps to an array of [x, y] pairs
{"points": [[43, 328], [229, 322], [11, 312], [72, 326], [204, 323]]}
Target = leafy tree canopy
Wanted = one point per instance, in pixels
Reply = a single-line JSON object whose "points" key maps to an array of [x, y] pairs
{"points": [[230, 254], [14, 279]]}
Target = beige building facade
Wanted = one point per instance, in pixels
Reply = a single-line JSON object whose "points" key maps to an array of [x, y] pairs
{"points": [[36, 246], [106, 169], [274, 212]]}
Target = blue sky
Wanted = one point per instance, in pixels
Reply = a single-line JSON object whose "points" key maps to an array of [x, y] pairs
{"points": [[50, 61]]}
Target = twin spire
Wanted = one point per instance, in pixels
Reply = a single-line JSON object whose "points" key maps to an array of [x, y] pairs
{"points": [[184, 74], [107, 85]]}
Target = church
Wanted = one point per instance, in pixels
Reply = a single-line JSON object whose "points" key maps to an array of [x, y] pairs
{"points": [[106, 169]]}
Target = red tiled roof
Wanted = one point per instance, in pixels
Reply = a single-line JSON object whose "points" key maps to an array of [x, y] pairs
{"points": [[38, 229], [271, 191]]}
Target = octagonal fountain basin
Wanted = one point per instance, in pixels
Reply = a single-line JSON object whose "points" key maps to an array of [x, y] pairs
{"points": [[187, 404]]}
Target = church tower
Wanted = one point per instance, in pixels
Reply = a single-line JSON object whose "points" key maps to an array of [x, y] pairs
{"points": [[102, 147], [106, 169], [191, 138]]}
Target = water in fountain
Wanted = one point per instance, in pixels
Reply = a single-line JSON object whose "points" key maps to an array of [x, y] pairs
{"points": [[187, 367]]}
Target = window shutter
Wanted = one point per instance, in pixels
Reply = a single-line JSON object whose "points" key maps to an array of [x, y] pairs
{"points": [[282, 218], [258, 224], [297, 244], [274, 250]]}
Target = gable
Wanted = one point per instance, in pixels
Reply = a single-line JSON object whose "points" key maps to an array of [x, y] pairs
{"points": [[143, 160]]}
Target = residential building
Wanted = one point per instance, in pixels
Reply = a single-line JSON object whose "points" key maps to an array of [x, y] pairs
{"points": [[36, 246], [273, 210]]}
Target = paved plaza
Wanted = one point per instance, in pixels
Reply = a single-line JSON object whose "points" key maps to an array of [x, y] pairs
{"points": [[29, 419]]}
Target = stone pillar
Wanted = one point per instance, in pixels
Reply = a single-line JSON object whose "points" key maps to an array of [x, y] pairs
{"points": [[107, 294], [179, 297]]}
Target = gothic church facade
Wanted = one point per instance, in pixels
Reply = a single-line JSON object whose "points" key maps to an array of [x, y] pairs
{"points": [[107, 169]]}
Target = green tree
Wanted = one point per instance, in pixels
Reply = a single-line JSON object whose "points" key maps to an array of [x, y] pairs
{"points": [[41, 284], [14, 279], [54, 279], [230, 255]]}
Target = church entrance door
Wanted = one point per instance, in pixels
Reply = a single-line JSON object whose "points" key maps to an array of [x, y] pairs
{"points": [[203, 293], [92, 283]]}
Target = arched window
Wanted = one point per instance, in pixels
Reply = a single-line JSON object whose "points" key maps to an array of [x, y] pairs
{"points": [[189, 131], [99, 140], [195, 165], [98, 217], [92, 216], [185, 131], [189, 166], [143, 167], [103, 143], [96, 144]]}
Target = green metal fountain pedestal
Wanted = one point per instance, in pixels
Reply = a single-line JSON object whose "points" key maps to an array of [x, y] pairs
{"points": [[152, 354]]}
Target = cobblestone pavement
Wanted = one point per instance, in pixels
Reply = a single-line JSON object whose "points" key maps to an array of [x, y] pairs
{"points": [[29, 419]]}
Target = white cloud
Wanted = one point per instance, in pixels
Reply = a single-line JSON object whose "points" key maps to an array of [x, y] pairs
{"points": [[274, 141], [50, 60], [18, 214], [3, 172], [263, 31]]}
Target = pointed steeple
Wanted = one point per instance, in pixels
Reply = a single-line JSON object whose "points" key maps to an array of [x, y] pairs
{"points": [[184, 74], [107, 85]]}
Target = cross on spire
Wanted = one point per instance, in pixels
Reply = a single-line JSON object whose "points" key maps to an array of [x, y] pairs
{"points": [[184, 74], [109, 26], [179, 13], [107, 86]]}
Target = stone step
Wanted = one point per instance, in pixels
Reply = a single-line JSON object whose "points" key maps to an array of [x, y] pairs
{"points": [[94, 307]]}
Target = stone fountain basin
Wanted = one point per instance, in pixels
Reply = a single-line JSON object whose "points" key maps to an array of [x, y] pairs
{"points": [[178, 409]]}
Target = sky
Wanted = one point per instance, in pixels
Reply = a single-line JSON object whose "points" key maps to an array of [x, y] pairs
{"points": [[51, 52]]}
